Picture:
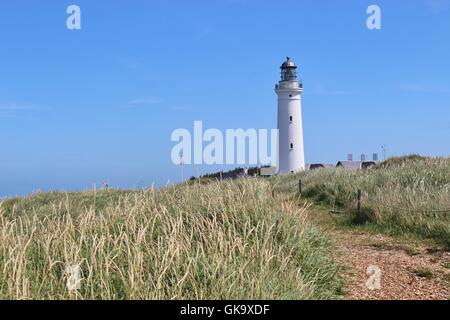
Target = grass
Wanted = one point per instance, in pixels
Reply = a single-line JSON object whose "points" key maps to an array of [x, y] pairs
{"points": [[407, 196], [411, 251], [223, 240], [214, 240], [424, 273]]}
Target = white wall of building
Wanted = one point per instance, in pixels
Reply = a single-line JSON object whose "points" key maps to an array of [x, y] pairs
{"points": [[291, 149]]}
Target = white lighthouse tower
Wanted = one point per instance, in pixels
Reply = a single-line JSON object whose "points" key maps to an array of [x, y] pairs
{"points": [[289, 90]]}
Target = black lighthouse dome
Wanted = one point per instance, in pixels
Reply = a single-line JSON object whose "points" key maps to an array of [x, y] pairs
{"points": [[288, 64]]}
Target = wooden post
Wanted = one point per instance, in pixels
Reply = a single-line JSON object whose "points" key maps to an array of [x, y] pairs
{"points": [[359, 201], [300, 187]]}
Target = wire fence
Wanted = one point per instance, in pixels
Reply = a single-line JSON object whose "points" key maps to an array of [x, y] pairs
{"points": [[418, 210], [298, 187]]}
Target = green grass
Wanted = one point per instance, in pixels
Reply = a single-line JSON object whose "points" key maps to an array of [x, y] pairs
{"points": [[223, 240], [404, 196], [424, 273]]}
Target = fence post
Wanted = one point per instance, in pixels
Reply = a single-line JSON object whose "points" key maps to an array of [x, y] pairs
{"points": [[359, 201], [300, 187]]}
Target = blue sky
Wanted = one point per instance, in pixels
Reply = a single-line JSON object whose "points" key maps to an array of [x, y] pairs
{"points": [[99, 104]]}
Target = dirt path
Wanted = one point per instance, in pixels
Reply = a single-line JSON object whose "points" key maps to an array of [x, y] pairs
{"points": [[408, 271]]}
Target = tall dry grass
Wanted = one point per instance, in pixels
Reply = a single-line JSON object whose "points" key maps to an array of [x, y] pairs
{"points": [[224, 240], [408, 195]]}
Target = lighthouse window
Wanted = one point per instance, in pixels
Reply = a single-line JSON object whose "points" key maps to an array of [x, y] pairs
{"points": [[291, 119], [292, 146]]}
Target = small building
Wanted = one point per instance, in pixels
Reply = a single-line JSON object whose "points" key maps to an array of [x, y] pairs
{"points": [[349, 165], [316, 166], [268, 171], [355, 165], [368, 164]]}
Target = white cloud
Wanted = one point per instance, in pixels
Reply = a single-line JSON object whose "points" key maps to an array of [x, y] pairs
{"points": [[12, 110], [155, 102], [187, 109], [423, 88], [16, 107], [144, 102]]}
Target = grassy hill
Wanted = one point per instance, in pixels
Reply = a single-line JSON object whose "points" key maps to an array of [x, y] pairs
{"points": [[407, 196], [213, 239], [222, 240]]}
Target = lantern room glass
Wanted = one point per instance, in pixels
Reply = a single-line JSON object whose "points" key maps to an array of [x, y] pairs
{"points": [[288, 74]]}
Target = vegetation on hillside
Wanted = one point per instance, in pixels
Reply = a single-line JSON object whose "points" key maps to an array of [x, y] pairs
{"points": [[224, 240], [405, 195], [215, 240]]}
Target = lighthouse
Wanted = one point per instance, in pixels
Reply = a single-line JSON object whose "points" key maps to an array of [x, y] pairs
{"points": [[291, 157]]}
